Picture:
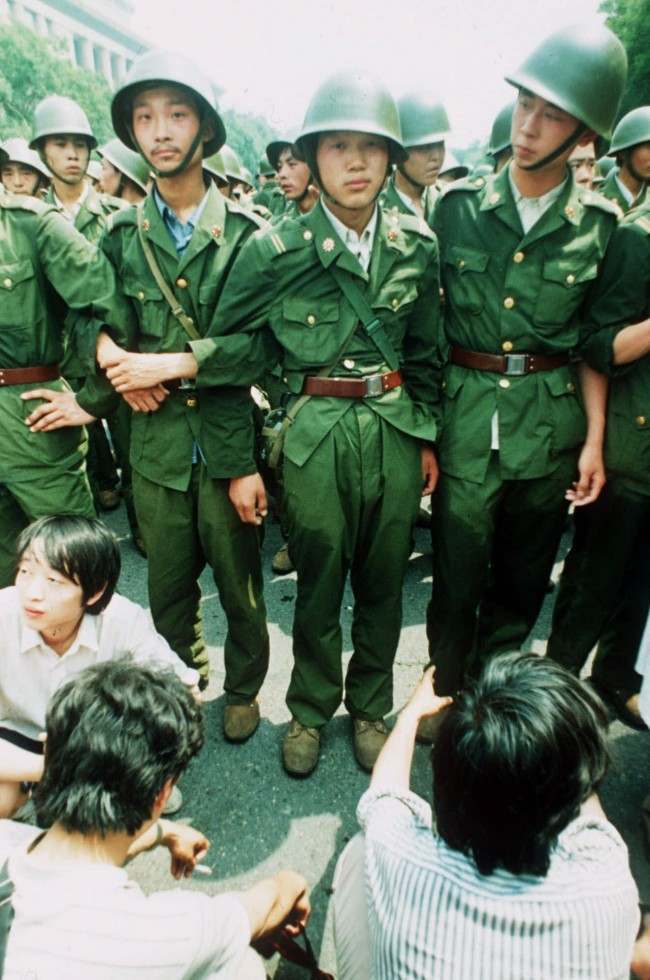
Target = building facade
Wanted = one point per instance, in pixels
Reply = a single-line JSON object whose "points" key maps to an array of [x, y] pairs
{"points": [[96, 37]]}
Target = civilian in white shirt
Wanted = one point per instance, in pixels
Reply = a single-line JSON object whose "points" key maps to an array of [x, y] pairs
{"points": [[523, 878], [118, 737], [61, 616]]}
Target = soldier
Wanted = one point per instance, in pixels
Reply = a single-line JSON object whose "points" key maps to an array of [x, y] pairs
{"points": [[214, 167], [63, 138], [294, 177], [583, 164], [269, 195], [605, 586], [359, 449], [181, 245], [124, 173], [23, 171], [412, 186], [44, 266], [452, 170], [499, 146], [628, 185], [94, 174], [265, 172], [519, 253]]}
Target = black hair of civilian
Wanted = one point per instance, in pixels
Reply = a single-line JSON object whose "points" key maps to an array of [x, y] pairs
{"points": [[81, 548], [116, 734], [516, 756]]}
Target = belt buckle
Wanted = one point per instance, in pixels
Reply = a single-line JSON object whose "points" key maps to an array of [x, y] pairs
{"points": [[516, 364], [374, 386]]}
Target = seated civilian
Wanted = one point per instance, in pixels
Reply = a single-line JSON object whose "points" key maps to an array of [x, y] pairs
{"points": [[524, 877], [118, 737], [62, 615]]}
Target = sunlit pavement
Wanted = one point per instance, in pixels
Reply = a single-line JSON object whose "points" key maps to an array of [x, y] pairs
{"points": [[260, 820]]}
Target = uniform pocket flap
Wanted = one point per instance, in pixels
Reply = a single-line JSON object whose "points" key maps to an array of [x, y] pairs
{"points": [[140, 290], [397, 297], [310, 313], [466, 259], [558, 383], [562, 273], [12, 273]]}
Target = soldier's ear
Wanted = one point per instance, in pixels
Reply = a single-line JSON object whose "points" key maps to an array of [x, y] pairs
{"points": [[207, 129]]}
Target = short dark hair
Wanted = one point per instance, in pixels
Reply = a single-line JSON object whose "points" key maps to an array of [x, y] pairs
{"points": [[81, 548], [115, 734], [517, 754]]}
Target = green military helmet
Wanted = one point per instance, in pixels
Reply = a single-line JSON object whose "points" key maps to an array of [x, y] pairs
{"points": [[16, 150], [353, 102], [214, 165], [423, 120], [604, 166], [632, 129], [453, 163], [56, 115], [247, 177], [155, 68], [582, 70], [127, 161], [276, 146], [231, 164], [264, 168], [501, 128], [482, 169], [94, 170]]}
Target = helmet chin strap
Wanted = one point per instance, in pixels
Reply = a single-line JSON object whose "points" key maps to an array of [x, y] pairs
{"points": [[198, 139], [562, 148], [420, 188], [627, 159]]}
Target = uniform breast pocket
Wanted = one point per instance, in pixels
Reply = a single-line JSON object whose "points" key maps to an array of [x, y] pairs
{"points": [[309, 329], [561, 290], [393, 306], [18, 293], [465, 278], [151, 309]]}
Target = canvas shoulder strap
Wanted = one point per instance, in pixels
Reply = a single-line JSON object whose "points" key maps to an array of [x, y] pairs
{"points": [[371, 323]]}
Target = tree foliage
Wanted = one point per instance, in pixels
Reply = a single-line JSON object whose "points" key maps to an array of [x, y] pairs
{"points": [[630, 19], [32, 67]]}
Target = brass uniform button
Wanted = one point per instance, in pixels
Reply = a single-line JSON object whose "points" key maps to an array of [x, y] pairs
{"points": [[394, 302], [479, 182], [504, 383], [191, 402], [311, 320], [641, 420], [518, 257], [348, 364], [570, 386], [182, 283], [7, 283], [307, 235], [508, 302], [507, 345], [461, 263], [141, 295], [570, 279]]}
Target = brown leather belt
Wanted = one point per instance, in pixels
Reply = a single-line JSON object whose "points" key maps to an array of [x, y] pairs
{"points": [[510, 364], [29, 375], [369, 387]]}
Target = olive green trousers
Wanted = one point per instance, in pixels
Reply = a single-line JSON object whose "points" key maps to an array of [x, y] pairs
{"points": [[351, 509], [494, 545], [182, 532]]}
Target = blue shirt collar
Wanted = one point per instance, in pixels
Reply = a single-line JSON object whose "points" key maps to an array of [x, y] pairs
{"points": [[180, 232]]}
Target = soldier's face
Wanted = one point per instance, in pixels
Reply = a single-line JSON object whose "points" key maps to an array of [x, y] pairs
{"points": [[583, 164], [67, 157], [640, 160], [538, 128], [19, 179], [293, 175], [352, 167], [165, 123], [110, 182], [424, 163]]}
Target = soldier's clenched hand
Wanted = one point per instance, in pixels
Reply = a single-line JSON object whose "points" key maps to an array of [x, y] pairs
{"points": [[429, 470], [248, 497], [59, 410]]}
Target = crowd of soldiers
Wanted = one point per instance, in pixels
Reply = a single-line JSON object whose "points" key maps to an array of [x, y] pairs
{"points": [[407, 326]]}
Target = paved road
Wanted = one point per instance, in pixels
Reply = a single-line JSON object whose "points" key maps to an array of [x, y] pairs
{"points": [[260, 820]]}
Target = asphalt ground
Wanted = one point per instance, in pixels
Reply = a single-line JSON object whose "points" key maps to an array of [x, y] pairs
{"points": [[259, 820]]}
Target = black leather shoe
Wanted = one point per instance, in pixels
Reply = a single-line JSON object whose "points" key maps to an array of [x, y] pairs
{"points": [[617, 702]]}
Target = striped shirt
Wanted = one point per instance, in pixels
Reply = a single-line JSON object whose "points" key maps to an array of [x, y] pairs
{"points": [[433, 916]]}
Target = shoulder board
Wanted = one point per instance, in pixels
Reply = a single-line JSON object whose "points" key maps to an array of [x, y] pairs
{"points": [[120, 218], [289, 235], [236, 208], [464, 184], [111, 204], [641, 220], [21, 202], [412, 222], [595, 200]]}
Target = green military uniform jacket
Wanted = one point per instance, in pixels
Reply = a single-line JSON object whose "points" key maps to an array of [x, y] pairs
{"points": [[281, 305], [510, 292], [270, 196], [390, 199], [610, 189], [162, 442], [46, 268], [623, 297]]}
